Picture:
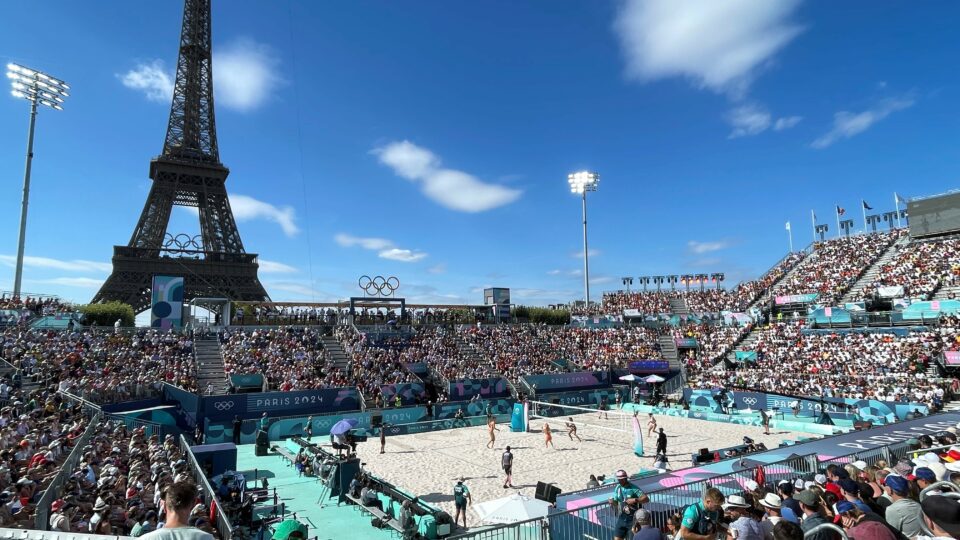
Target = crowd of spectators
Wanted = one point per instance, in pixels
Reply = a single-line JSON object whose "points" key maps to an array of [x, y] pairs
{"points": [[878, 501], [858, 365], [101, 366], [920, 268], [836, 265], [37, 432], [289, 358], [599, 348], [119, 486], [377, 362], [706, 300], [36, 305], [515, 350], [713, 343]]}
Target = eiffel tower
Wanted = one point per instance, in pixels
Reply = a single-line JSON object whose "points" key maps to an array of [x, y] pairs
{"points": [[187, 173]]}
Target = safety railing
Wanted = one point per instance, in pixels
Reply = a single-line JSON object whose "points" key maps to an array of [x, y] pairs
{"points": [[207, 493], [42, 517]]}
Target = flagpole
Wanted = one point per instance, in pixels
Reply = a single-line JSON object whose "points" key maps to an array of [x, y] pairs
{"points": [[896, 206], [836, 211], [813, 220], [790, 235], [863, 208]]}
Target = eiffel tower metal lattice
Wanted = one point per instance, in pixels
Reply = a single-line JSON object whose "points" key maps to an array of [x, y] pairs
{"points": [[187, 173]]}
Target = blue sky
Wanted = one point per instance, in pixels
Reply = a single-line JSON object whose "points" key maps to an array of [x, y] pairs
{"points": [[431, 140]]}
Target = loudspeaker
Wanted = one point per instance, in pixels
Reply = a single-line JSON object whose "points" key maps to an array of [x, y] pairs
{"points": [[547, 492], [341, 475], [376, 420]]}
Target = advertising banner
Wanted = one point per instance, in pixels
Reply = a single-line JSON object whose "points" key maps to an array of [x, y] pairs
{"points": [[686, 343], [465, 389], [281, 403], [796, 298], [951, 358], [568, 381], [409, 392], [745, 356], [649, 366], [249, 380], [839, 408], [166, 302]]}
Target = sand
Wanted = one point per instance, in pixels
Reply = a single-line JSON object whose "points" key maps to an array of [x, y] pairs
{"points": [[428, 464]]}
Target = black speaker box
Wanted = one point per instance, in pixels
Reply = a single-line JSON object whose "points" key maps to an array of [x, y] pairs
{"points": [[547, 492]]}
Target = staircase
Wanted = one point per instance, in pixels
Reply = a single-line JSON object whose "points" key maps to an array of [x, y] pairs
{"points": [[470, 353], [678, 306], [206, 350], [337, 356], [746, 343], [944, 292], [870, 275], [668, 349]]}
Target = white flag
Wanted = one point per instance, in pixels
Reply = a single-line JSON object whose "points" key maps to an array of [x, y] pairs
{"points": [[788, 225]]}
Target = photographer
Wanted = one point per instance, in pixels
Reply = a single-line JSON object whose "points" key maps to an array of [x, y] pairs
{"points": [[627, 499]]}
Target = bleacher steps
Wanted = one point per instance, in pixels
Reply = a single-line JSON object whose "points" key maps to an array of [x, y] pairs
{"points": [[944, 292], [668, 349], [338, 357], [678, 306], [765, 296], [210, 370], [870, 275]]}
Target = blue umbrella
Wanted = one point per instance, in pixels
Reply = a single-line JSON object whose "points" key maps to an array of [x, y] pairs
{"points": [[343, 426]]}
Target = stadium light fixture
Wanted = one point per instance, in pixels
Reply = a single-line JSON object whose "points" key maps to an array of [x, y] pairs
{"points": [[39, 89], [717, 278], [628, 281], [580, 183]]}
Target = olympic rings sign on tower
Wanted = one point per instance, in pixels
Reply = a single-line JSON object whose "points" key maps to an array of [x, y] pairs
{"points": [[378, 285]]}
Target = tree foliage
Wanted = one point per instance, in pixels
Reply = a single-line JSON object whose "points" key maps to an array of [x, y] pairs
{"points": [[107, 313]]}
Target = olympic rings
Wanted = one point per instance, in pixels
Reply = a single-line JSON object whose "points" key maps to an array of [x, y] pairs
{"points": [[378, 285]]}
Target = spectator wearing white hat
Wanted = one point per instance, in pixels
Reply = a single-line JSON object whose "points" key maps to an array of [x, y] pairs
{"points": [[771, 504], [742, 526]]}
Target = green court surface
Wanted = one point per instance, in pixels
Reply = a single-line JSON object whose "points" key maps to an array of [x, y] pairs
{"points": [[300, 493]]}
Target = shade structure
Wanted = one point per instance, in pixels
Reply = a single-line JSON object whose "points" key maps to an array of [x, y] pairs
{"points": [[654, 379], [515, 508], [630, 377], [343, 426]]}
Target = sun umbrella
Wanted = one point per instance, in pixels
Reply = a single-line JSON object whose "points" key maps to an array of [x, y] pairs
{"points": [[654, 379], [511, 509], [343, 426], [630, 377]]}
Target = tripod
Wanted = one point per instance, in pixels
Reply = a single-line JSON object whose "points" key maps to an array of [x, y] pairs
{"points": [[326, 490]]}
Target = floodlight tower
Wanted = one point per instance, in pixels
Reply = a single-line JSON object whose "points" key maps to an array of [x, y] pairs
{"points": [[37, 88], [580, 183]]}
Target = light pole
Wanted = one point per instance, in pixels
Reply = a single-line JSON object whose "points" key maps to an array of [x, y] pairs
{"points": [[37, 88], [580, 183]]}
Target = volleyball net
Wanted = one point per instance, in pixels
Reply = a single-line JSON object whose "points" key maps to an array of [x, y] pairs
{"points": [[539, 412]]}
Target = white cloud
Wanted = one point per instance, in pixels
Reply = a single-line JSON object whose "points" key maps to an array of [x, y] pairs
{"points": [[273, 267], [245, 76], [81, 282], [347, 240], [385, 249], [554, 272], [601, 280], [753, 119], [153, 79], [438, 269], [748, 120], [450, 188], [298, 291], [719, 44], [706, 247], [786, 122], [402, 255], [246, 208], [847, 124], [591, 252], [75, 265]]}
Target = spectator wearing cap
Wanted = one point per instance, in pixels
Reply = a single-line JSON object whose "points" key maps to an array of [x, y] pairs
{"points": [[790, 508], [926, 478], [627, 499], [942, 516], [742, 525], [933, 462], [861, 526], [812, 516], [904, 514], [771, 504], [851, 492], [643, 529]]}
